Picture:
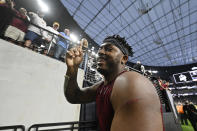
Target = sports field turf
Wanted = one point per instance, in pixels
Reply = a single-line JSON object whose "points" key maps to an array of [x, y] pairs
{"points": [[187, 127]]}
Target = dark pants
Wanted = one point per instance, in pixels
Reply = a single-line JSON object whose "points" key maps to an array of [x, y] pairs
{"points": [[59, 51], [183, 119], [192, 118], [193, 122]]}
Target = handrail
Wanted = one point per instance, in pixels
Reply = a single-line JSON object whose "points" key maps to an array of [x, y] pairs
{"points": [[15, 127], [79, 125], [41, 28]]}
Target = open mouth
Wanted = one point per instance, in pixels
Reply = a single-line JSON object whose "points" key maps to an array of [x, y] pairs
{"points": [[100, 60]]}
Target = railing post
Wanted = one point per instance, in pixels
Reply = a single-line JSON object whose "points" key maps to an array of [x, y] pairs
{"points": [[72, 128], [51, 42]]}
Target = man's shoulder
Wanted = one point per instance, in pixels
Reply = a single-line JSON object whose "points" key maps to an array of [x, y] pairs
{"points": [[125, 81], [129, 76], [131, 82], [49, 28], [62, 33]]}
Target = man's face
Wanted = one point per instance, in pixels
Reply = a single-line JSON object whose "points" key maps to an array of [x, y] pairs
{"points": [[23, 11], [187, 102], [67, 32], [56, 27], [11, 3], [109, 58]]}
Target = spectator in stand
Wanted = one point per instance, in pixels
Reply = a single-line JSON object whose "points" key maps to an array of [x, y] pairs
{"points": [[51, 37], [163, 84], [62, 44], [34, 32], [138, 66], [7, 12], [18, 27], [163, 87], [191, 113], [183, 117]]}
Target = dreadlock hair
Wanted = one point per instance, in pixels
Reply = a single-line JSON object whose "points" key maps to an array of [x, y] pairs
{"points": [[122, 43]]}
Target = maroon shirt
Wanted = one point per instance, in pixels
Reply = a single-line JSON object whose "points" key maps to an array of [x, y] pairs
{"points": [[104, 107], [19, 23], [105, 111]]}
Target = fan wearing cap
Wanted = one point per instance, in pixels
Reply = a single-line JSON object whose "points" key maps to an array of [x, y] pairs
{"points": [[125, 100], [51, 35]]}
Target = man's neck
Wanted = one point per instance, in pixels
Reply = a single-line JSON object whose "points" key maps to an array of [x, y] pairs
{"points": [[111, 76]]}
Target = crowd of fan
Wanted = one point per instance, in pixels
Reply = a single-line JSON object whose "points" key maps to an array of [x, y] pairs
{"points": [[187, 111], [30, 30]]}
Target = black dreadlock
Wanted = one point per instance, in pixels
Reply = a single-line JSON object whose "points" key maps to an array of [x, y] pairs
{"points": [[121, 43]]}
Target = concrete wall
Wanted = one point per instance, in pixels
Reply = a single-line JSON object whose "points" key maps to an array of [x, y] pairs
{"points": [[31, 88]]}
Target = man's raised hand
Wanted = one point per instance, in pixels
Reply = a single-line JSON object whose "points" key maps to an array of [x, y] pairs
{"points": [[74, 56]]}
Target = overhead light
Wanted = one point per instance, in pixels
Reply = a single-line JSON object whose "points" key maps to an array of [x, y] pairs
{"points": [[74, 37], [152, 71], [78, 42], [194, 68], [43, 6]]}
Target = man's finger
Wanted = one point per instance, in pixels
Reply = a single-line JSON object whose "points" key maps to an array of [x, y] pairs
{"points": [[80, 51], [69, 54], [72, 50], [77, 52]]}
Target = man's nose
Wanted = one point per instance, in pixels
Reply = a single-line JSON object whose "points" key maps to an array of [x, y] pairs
{"points": [[101, 52]]}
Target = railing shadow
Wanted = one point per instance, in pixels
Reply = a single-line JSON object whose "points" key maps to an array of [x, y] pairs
{"points": [[14, 127]]}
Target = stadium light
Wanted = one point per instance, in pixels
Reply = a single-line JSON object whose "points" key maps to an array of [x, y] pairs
{"points": [[43, 6], [154, 71], [194, 68], [73, 37], [78, 42]]}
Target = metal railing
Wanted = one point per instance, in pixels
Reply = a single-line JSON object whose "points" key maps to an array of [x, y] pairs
{"points": [[14, 127], [13, 14], [77, 125]]}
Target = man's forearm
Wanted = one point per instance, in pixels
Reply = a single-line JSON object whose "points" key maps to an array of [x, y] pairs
{"points": [[71, 88]]}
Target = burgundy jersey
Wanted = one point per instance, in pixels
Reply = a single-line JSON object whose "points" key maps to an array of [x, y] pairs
{"points": [[104, 107]]}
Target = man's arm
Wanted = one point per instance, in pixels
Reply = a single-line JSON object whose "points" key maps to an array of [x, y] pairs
{"points": [[72, 92], [136, 104], [60, 35]]}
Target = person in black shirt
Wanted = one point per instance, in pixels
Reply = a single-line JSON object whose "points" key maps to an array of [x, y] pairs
{"points": [[138, 66], [191, 112]]}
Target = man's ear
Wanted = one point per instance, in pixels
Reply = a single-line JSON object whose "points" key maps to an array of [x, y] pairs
{"points": [[124, 59]]}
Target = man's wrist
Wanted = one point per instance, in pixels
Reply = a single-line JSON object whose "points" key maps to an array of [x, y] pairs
{"points": [[71, 71], [66, 76]]}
